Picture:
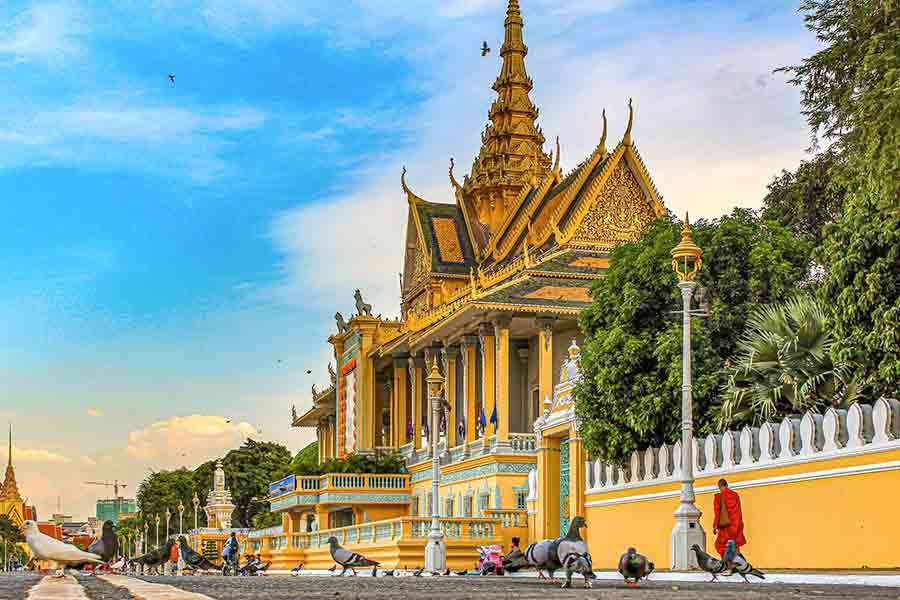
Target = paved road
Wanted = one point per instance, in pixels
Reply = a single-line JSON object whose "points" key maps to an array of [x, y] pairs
{"points": [[431, 588]]}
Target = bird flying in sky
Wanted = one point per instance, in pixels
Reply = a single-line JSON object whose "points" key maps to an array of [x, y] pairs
{"points": [[172, 77], [485, 49]]}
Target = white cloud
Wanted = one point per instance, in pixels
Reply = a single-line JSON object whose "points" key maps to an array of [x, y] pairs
{"points": [[119, 129], [49, 32], [94, 412], [187, 440], [38, 455]]}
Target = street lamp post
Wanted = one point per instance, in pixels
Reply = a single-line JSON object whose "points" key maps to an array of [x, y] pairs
{"points": [[157, 530], [180, 510], [435, 550], [686, 262]]}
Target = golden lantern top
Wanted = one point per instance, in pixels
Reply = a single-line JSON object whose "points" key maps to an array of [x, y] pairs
{"points": [[435, 380], [687, 256]]}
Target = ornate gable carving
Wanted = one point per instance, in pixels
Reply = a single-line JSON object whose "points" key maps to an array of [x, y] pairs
{"points": [[620, 212]]}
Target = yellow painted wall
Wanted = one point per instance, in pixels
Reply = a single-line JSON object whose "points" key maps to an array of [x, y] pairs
{"points": [[840, 522]]}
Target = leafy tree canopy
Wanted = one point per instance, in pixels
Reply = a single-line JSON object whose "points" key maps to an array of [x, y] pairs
{"points": [[809, 199], [630, 396], [306, 461], [851, 97], [248, 472]]}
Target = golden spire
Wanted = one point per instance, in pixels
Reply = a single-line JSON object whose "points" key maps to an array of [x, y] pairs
{"points": [[10, 489], [511, 153]]}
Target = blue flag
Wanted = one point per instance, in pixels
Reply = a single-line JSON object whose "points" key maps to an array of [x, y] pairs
{"points": [[483, 421], [425, 430], [494, 420]]}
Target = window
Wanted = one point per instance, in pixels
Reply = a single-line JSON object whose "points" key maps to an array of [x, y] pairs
{"points": [[448, 507], [415, 506], [467, 506], [483, 502], [520, 500], [429, 504]]}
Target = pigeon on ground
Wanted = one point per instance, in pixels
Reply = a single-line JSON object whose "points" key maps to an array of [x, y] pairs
{"points": [[108, 545], [485, 48], [735, 561], [388, 573], [418, 572], [708, 563], [194, 560], [156, 557], [542, 555], [579, 563], [572, 544], [634, 567], [461, 573], [347, 559], [375, 571], [57, 553], [333, 567], [296, 570]]}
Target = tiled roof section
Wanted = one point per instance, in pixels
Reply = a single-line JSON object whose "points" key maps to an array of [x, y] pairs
{"points": [[445, 234], [543, 291], [576, 262], [449, 245]]}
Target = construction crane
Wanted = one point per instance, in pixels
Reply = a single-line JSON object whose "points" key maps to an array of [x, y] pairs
{"points": [[115, 485]]}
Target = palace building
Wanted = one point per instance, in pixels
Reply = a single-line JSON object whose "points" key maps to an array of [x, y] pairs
{"points": [[491, 288]]}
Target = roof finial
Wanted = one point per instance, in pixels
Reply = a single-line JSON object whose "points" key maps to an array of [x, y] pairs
{"points": [[603, 135], [627, 139], [10, 444], [556, 162], [453, 180], [410, 196]]}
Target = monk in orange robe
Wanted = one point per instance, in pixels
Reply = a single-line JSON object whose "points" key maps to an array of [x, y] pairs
{"points": [[728, 523]]}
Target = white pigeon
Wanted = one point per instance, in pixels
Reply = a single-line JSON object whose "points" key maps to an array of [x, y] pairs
{"points": [[57, 553]]}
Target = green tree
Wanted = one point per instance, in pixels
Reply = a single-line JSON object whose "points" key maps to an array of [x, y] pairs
{"points": [[164, 490], [851, 97], [784, 365], [248, 472], [630, 395], [306, 461], [809, 199]]}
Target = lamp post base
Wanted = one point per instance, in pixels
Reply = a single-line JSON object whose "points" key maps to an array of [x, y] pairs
{"points": [[686, 532], [436, 553]]}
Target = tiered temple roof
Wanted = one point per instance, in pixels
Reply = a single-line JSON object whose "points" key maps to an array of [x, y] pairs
{"points": [[521, 234]]}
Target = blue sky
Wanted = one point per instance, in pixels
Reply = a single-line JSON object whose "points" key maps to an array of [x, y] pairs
{"points": [[165, 245]]}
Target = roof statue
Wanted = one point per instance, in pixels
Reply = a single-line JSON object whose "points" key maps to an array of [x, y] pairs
{"points": [[331, 374], [362, 308]]}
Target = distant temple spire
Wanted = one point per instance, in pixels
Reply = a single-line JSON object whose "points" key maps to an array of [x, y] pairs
{"points": [[10, 489]]}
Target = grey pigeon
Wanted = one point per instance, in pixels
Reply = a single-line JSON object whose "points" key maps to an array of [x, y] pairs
{"points": [[156, 557], [710, 564], [579, 563], [296, 570], [634, 567], [108, 545], [389, 573], [418, 572], [573, 545], [735, 561], [347, 559], [194, 560], [542, 556]]}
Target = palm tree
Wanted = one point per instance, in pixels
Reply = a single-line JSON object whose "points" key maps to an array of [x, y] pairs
{"points": [[784, 365]]}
